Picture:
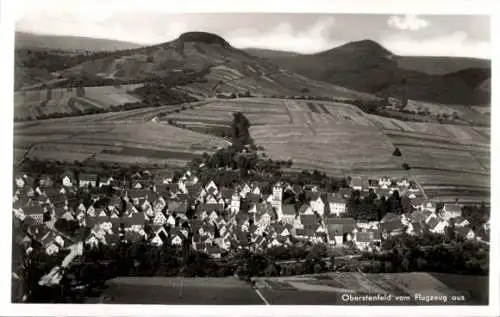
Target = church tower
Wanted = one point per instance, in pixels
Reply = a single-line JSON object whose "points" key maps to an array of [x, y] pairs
{"points": [[277, 198]]}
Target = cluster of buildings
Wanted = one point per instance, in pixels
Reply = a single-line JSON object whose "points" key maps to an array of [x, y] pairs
{"points": [[214, 219]]}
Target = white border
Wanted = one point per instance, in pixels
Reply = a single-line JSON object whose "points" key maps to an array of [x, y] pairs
{"points": [[283, 6]]}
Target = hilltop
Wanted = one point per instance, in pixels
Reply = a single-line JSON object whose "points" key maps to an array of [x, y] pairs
{"points": [[367, 66], [217, 66]]}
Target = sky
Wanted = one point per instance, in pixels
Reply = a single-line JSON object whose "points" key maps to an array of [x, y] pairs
{"points": [[403, 34]]}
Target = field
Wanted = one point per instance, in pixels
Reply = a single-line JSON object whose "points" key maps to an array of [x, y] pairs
{"points": [[324, 289], [328, 289], [35, 103], [462, 112], [259, 111], [126, 137], [181, 291], [448, 161]]}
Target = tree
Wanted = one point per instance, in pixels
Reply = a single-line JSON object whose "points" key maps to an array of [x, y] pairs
{"points": [[406, 166], [396, 152]]}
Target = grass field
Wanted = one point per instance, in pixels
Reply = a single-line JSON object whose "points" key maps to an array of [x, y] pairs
{"points": [[324, 289], [30, 104]]}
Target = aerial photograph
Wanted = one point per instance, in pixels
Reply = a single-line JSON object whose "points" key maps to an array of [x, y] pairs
{"points": [[250, 158]]}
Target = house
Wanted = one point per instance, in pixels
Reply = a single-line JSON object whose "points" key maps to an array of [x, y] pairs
{"points": [[451, 211], [487, 225], [106, 181], [33, 212], [461, 222], [318, 206], [179, 207], [86, 180], [344, 192], [160, 237], [382, 192], [139, 184], [136, 195], [176, 238], [376, 235], [364, 225], [390, 216], [392, 228], [264, 216], [340, 230], [415, 228], [171, 221], [164, 177], [337, 205], [68, 179], [403, 182], [288, 214], [134, 221], [417, 202], [362, 240], [437, 225], [214, 252], [160, 219], [92, 240], [303, 233], [384, 182], [359, 183], [211, 188], [113, 238], [45, 181], [429, 206], [235, 203], [465, 232], [23, 181]]}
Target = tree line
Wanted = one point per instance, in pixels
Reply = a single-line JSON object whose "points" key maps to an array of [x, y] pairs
{"points": [[429, 253]]}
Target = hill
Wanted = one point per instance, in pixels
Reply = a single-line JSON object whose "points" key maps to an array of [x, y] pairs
{"points": [[368, 67], [218, 68], [25, 40], [270, 54], [440, 65]]}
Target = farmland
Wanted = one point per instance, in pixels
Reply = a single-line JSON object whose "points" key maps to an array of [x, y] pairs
{"points": [[112, 138], [327, 289], [181, 291], [324, 289], [35, 103], [449, 161]]}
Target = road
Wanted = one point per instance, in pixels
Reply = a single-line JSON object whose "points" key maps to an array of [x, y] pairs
{"points": [[343, 257]]}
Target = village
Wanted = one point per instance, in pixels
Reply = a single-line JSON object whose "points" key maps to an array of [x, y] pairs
{"points": [[215, 220]]}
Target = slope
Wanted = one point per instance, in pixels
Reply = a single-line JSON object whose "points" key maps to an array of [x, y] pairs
{"points": [[367, 66], [221, 69], [25, 40]]}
